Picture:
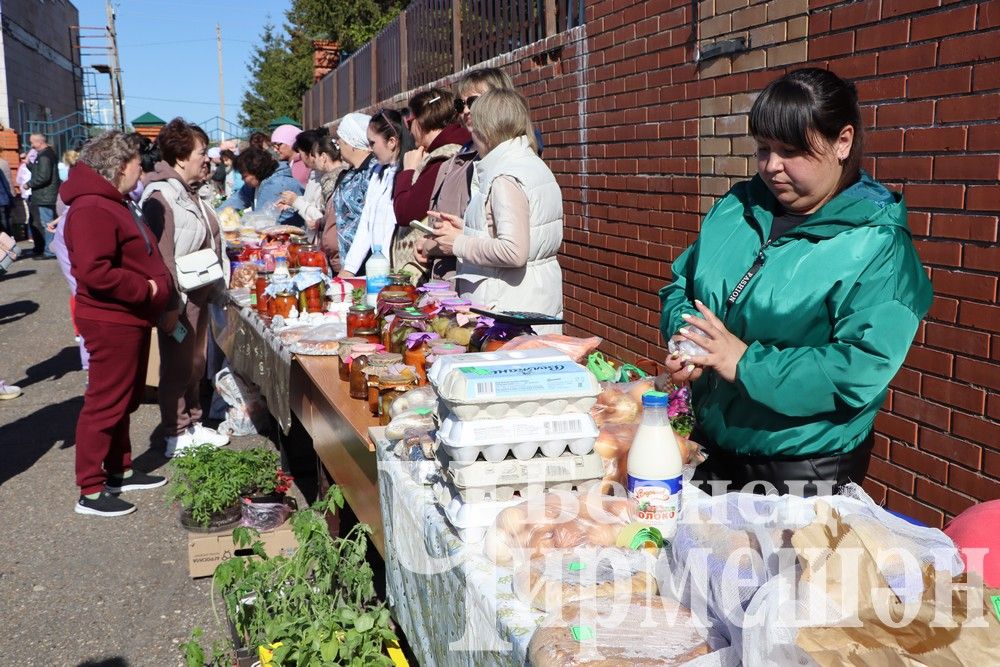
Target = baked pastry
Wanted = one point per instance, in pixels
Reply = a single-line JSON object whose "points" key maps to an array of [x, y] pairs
{"points": [[561, 576], [316, 347], [637, 632]]}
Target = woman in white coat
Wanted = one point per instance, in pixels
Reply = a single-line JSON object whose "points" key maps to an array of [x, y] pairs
{"points": [[508, 241]]}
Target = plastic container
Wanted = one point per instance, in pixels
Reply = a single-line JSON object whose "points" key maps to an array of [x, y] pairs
{"points": [[470, 520], [376, 274], [494, 440], [487, 359], [511, 479], [654, 468]]}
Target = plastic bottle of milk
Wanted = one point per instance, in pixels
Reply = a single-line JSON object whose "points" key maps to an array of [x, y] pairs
{"points": [[376, 275], [654, 468]]}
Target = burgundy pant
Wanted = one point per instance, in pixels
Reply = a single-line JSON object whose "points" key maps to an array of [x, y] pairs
{"points": [[182, 366], [118, 357]]}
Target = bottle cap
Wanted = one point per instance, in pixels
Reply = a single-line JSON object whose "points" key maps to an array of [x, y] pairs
{"points": [[376, 248], [655, 399]]}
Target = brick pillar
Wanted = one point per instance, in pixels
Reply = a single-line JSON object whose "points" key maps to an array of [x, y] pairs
{"points": [[326, 57]]}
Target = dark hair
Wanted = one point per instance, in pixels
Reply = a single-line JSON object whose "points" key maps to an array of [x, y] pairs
{"points": [[305, 141], [257, 162], [388, 123], [177, 140], [226, 154], [327, 145], [434, 109], [810, 100], [149, 153], [259, 140]]}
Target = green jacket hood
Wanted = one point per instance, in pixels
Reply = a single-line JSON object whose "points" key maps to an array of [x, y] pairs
{"points": [[865, 203]]}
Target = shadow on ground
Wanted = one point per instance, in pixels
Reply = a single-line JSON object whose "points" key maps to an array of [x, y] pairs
{"points": [[12, 312], [24, 441], [67, 360], [17, 274], [117, 661]]}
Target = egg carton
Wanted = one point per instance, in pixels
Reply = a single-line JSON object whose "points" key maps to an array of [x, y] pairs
{"points": [[517, 480], [446, 364], [515, 409], [494, 440], [470, 520], [517, 382]]}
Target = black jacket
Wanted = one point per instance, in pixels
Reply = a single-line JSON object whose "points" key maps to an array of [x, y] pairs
{"points": [[44, 181]]}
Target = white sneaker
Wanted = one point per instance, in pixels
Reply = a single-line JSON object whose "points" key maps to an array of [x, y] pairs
{"points": [[203, 434], [176, 444], [9, 391]]}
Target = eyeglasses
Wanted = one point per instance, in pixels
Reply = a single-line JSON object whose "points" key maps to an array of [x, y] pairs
{"points": [[461, 104]]}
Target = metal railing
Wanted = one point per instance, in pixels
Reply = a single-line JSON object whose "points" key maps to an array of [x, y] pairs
{"points": [[430, 40]]}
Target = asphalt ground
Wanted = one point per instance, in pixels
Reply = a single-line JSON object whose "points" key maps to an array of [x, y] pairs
{"points": [[80, 590]]}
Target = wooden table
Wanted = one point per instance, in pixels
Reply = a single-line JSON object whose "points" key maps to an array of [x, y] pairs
{"points": [[338, 425]]}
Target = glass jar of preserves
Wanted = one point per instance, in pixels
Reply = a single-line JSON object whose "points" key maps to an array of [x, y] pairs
{"points": [[370, 335], [417, 347], [391, 292], [405, 322], [391, 384], [312, 256], [284, 304], [294, 246], [491, 335], [311, 298], [259, 299], [377, 363], [434, 285], [360, 317], [431, 300], [401, 281], [344, 357], [386, 313], [359, 362], [461, 320], [441, 348]]}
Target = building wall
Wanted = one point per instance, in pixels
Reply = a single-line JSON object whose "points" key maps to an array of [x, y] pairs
{"points": [[37, 60], [643, 139]]}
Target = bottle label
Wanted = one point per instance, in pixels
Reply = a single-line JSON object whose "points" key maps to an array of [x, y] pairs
{"points": [[654, 501], [374, 284]]}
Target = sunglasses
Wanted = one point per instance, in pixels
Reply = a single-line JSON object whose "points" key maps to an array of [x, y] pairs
{"points": [[461, 104]]}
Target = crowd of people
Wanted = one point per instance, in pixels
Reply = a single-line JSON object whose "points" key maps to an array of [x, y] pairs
{"points": [[793, 357]]}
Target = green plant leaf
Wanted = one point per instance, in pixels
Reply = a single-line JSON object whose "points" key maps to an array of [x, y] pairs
{"points": [[364, 623]]}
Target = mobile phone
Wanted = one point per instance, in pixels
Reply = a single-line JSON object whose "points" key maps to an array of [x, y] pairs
{"points": [[423, 225], [179, 332]]}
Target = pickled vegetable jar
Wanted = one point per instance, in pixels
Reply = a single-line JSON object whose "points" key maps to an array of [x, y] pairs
{"points": [[360, 317], [284, 304], [311, 298], [490, 335], [405, 322], [418, 346], [344, 357]]}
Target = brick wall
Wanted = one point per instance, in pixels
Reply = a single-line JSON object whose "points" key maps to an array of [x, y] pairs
{"points": [[643, 138]]}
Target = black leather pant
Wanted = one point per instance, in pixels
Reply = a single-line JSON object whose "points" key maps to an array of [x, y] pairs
{"points": [[801, 476]]}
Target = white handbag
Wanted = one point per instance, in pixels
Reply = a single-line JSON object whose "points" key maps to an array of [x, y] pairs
{"points": [[197, 270]]}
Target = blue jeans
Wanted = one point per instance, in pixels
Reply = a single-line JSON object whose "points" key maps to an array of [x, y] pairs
{"points": [[46, 214]]}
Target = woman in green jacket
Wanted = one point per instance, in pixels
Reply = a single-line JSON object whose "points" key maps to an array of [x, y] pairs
{"points": [[808, 291]]}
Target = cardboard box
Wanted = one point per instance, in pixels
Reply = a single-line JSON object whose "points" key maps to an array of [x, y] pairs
{"points": [[207, 550]]}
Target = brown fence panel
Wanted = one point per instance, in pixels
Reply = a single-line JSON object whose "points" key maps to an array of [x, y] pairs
{"points": [[362, 63], [387, 76], [493, 27], [429, 50], [569, 14], [344, 89]]}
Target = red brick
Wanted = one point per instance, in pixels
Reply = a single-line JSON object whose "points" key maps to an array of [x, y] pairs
{"points": [[882, 88], [958, 339], [973, 484], [943, 310], [922, 411], [907, 59], [938, 83], [986, 76], [819, 23], [982, 373], [939, 24], [941, 253], [969, 107], [896, 427], [913, 508], [962, 396], [831, 45], [970, 48], [976, 428], [940, 496], [881, 35], [913, 459], [904, 168], [907, 380], [993, 400], [905, 114], [854, 14], [980, 316], [970, 227], [892, 8], [991, 463], [856, 66], [919, 222], [884, 141], [984, 198], [932, 361], [985, 137], [893, 475], [978, 257], [935, 139], [953, 449], [876, 490], [967, 167], [989, 15], [933, 195]]}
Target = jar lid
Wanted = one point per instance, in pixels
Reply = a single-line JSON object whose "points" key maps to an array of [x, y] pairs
{"points": [[416, 336], [310, 269], [385, 359], [367, 332], [440, 294], [397, 300], [447, 350], [361, 308], [456, 303], [364, 348], [432, 285], [410, 313]]}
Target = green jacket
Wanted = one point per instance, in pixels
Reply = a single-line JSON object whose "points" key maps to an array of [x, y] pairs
{"points": [[45, 181], [828, 317]]}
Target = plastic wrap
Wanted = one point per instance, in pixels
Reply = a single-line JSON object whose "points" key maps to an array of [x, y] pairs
{"points": [[493, 440], [421, 397], [247, 413], [505, 480], [264, 516], [639, 631], [576, 348], [419, 419], [322, 340]]}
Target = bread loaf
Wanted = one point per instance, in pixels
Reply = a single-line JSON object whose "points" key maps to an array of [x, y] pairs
{"points": [[637, 632]]}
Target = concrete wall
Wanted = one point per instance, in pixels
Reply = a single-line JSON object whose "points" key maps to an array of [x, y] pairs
{"points": [[37, 61]]}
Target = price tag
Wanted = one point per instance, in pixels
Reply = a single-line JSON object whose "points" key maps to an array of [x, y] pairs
{"points": [[581, 632], [996, 605]]}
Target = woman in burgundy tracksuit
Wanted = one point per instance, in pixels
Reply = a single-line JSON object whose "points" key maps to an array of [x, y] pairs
{"points": [[122, 289]]}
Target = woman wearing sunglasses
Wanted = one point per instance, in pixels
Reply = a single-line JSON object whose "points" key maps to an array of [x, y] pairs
{"points": [[389, 140]]}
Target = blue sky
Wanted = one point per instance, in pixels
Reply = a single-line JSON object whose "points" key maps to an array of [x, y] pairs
{"points": [[168, 52]]}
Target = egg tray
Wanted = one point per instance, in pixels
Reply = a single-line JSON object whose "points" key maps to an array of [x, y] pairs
{"points": [[470, 520], [523, 438], [521, 408], [444, 365], [512, 480]]}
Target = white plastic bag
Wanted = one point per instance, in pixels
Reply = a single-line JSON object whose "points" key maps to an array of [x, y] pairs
{"points": [[247, 413]]}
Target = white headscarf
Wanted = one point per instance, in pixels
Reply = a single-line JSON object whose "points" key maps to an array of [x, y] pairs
{"points": [[353, 129]]}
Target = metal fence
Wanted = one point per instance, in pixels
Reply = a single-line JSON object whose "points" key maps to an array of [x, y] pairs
{"points": [[430, 40]]}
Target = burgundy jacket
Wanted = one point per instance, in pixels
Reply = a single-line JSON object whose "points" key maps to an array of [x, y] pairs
{"points": [[410, 200], [112, 253]]}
